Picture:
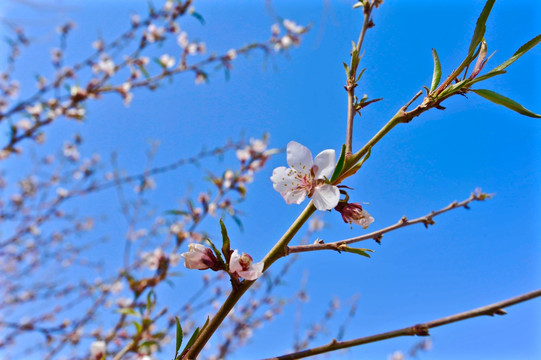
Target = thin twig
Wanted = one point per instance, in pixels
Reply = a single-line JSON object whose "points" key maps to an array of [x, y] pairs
{"points": [[419, 329], [377, 235]]}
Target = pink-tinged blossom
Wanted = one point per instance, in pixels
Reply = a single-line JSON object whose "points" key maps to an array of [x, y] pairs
{"points": [[199, 257], [353, 213], [167, 61], [306, 177], [244, 266], [97, 350]]}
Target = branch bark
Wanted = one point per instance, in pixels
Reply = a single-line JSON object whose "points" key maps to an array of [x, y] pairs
{"points": [[403, 222], [419, 329]]}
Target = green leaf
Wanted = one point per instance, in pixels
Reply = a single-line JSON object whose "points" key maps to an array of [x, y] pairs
{"points": [[237, 221], [339, 164], [190, 342], [216, 252], [127, 311], [358, 251], [360, 74], [226, 243], [346, 67], [453, 88], [199, 17], [480, 27], [151, 299], [488, 75], [176, 212], [505, 101], [521, 51], [138, 327], [179, 337], [436, 76]]}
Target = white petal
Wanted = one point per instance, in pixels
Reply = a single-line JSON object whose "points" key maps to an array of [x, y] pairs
{"points": [[255, 271], [326, 197], [295, 196], [284, 179], [365, 220], [299, 157], [234, 265], [325, 162]]}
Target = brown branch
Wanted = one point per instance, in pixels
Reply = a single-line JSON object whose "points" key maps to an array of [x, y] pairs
{"points": [[419, 329], [403, 222]]}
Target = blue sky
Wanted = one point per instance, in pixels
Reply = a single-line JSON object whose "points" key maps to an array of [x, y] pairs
{"points": [[468, 259]]}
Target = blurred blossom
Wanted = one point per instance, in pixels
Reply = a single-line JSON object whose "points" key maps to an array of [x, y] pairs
{"points": [[231, 54], [97, 350], [316, 224], [167, 61], [397, 355]]}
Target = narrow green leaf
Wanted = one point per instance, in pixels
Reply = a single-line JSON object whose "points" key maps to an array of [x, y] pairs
{"points": [[216, 252], [206, 323], [453, 88], [360, 74], [191, 341], [358, 251], [149, 343], [436, 76], [199, 17], [339, 164], [151, 299], [505, 101], [176, 212], [488, 75], [346, 67], [127, 311], [138, 327], [179, 337], [226, 243], [480, 27], [521, 51], [237, 221]]}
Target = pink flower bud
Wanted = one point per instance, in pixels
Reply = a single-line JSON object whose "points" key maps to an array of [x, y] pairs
{"points": [[353, 213], [199, 257]]}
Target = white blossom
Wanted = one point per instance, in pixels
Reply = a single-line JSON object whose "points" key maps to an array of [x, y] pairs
{"points": [[307, 177], [244, 267]]}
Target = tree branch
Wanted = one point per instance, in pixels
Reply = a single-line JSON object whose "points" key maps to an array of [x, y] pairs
{"points": [[419, 329], [403, 222]]}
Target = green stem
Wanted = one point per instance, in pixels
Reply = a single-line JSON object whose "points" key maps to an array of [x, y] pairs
{"points": [[279, 250]]}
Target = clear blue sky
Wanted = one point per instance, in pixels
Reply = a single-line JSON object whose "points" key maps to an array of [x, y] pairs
{"points": [[468, 259]]}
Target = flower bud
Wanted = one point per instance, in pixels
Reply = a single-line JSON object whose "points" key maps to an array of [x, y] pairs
{"points": [[199, 257], [353, 213]]}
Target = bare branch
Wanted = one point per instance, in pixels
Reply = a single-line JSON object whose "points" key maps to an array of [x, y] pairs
{"points": [[403, 222], [419, 329]]}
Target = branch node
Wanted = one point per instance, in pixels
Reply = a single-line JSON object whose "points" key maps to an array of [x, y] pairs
{"points": [[378, 238], [403, 220], [420, 330]]}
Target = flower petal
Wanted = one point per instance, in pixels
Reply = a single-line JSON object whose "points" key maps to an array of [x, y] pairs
{"points": [[325, 162], [234, 264], [294, 196], [284, 179], [299, 157], [326, 197], [255, 271], [365, 220]]}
